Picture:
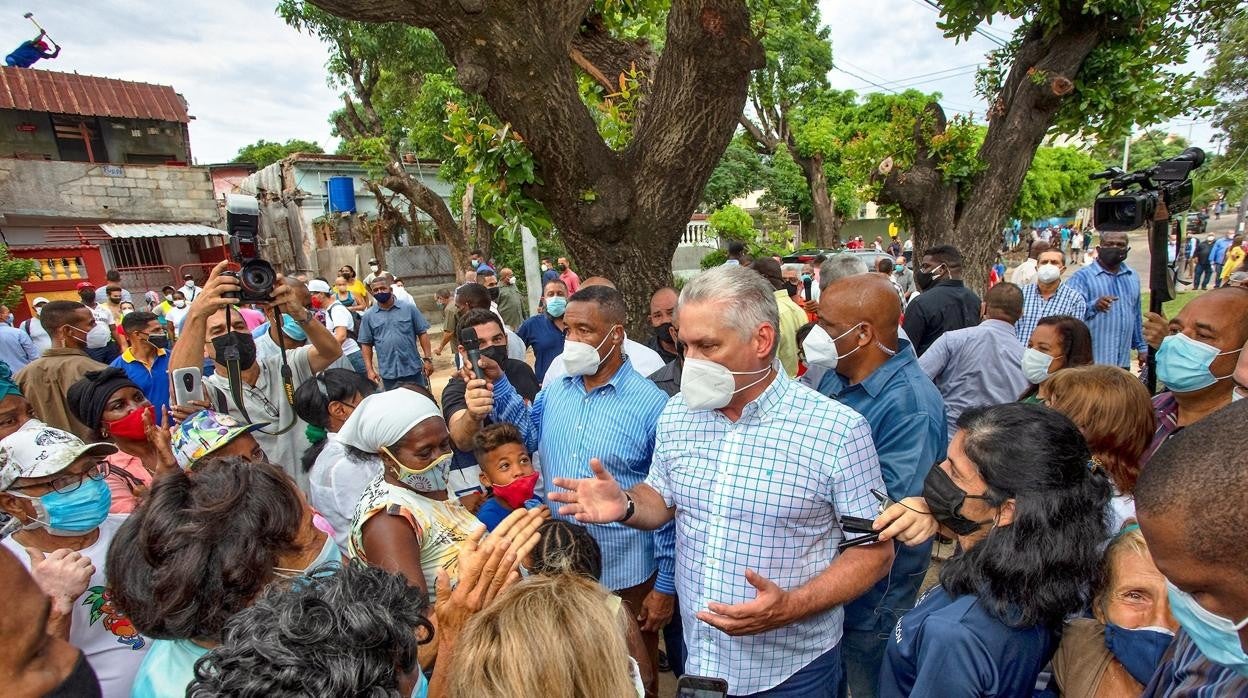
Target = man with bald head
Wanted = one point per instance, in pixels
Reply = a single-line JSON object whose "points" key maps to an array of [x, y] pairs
{"points": [[1197, 353], [642, 358], [662, 315], [871, 370], [510, 302], [980, 365]]}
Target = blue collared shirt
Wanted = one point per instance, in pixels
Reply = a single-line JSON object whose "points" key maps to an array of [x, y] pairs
{"points": [[1064, 301], [1120, 329], [907, 418], [615, 423], [540, 332], [392, 332], [764, 493], [975, 367], [154, 381]]}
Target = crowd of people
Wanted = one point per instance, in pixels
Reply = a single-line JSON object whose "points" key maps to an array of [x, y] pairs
{"points": [[808, 480]]}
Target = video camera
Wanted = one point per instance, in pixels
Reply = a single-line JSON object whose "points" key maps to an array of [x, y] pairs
{"points": [[1168, 182], [257, 277]]}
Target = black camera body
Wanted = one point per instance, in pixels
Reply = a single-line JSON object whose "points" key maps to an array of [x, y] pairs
{"points": [[1168, 182], [256, 276]]}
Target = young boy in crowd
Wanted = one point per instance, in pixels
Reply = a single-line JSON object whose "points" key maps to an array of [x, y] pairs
{"points": [[506, 472]]}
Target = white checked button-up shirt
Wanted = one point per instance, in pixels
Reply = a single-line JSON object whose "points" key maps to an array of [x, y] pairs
{"points": [[763, 493]]}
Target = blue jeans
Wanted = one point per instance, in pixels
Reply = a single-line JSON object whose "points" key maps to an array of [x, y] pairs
{"points": [[1203, 274], [818, 679], [357, 363], [674, 641], [392, 383]]}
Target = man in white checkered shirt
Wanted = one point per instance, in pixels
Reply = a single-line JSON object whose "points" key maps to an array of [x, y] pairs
{"points": [[757, 470]]}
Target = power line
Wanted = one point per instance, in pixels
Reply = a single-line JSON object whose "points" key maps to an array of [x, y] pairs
{"points": [[951, 107], [931, 5]]}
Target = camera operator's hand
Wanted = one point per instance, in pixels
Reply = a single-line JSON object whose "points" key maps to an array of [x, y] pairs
{"points": [[1154, 329], [217, 293], [286, 300]]}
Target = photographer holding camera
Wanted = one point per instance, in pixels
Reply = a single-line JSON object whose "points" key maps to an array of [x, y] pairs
{"points": [[214, 326]]}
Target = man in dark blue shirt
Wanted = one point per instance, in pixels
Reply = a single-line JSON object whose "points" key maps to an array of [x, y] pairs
{"points": [[544, 332], [395, 339], [146, 360], [872, 371], [29, 52]]}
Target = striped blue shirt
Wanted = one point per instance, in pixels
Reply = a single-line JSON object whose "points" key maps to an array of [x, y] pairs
{"points": [[615, 423], [1065, 301], [1115, 332], [764, 493], [1186, 672]]}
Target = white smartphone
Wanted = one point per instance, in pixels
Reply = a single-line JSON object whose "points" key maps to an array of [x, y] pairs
{"points": [[186, 385]]}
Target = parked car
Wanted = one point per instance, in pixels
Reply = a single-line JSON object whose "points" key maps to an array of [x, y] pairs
{"points": [[870, 257], [1197, 222]]}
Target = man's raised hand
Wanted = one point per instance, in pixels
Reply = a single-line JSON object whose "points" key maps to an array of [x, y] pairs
{"points": [[596, 499]]}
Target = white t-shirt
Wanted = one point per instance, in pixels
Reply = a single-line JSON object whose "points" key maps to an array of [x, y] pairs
{"points": [[266, 402], [644, 359], [175, 316], [189, 291], [338, 315], [337, 481], [103, 633], [99, 335], [38, 335]]}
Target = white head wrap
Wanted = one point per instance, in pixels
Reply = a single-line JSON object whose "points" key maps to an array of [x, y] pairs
{"points": [[383, 419]]}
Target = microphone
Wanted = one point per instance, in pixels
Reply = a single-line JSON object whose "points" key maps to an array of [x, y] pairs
{"points": [[472, 345]]}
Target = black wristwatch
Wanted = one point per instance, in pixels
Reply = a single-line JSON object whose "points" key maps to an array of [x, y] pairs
{"points": [[426, 359], [630, 510]]}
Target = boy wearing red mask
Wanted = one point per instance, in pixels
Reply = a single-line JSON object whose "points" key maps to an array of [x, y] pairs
{"points": [[506, 471]]}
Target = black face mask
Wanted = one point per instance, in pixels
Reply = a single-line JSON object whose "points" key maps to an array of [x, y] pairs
{"points": [[160, 341], [925, 279], [1112, 256], [493, 291], [246, 349], [497, 354], [944, 498], [791, 288], [664, 333], [81, 682]]}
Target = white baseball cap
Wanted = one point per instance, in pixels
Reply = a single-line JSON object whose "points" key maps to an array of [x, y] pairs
{"points": [[41, 451], [39, 301], [318, 286]]}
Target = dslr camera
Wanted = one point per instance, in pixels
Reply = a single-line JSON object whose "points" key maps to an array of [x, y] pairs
{"points": [[1168, 182], [256, 276]]}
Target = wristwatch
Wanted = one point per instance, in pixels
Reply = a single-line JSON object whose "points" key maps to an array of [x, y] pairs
{"points": [[426, 358], [306, 318], [630, 510]]}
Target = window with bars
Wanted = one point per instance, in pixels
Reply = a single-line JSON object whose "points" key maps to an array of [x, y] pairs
{"points": [[136, 252]]}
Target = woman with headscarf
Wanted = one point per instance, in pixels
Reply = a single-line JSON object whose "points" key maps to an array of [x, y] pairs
{"points": [[117, 411], [15, 410], [406, 521]]}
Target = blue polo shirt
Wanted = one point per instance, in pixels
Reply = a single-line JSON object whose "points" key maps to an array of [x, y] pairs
{"points": [[907, 418], [392, 333], [546, 339], [153, 381], [951, 646]]}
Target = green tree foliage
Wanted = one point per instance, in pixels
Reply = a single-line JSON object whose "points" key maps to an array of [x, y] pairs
{"points": [[1057, 183], [1147, 148], [263, 153], [14, 271], [733, 223], [740, 171]]}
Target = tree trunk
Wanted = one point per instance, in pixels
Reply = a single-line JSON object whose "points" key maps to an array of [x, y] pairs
{"points": [[620, 213], [825, 228], [422, 197], [970, 215]]}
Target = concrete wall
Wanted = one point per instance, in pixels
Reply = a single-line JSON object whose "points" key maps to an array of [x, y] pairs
{"points": [[155, 138], [143, 193], [14, 142]]}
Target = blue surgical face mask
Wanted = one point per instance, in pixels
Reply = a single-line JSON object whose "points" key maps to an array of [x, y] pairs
{"points": [[1138, 650], [1215, 636], [291, 329], [556, 305], [330, 555], [1183, 363], [71, 513]]}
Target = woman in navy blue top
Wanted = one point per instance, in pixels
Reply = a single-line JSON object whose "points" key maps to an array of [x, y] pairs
{"points": [[1019, 493]]}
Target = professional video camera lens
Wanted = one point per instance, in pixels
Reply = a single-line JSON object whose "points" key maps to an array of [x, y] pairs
{"points": [[257, 278]]}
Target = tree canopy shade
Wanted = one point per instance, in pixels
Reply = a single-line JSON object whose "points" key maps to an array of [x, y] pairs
{"points": [[1072, 66], [620, 212], [263, 153]]}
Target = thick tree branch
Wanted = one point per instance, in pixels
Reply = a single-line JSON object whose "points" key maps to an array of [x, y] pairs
{"points": [[766, 143]]}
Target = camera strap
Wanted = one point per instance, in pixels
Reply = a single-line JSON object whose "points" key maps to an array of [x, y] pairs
{"points": [[235, 374]]}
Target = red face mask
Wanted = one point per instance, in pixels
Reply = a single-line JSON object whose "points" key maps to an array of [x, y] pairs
{"points": [[131, 426], [316, 302], [516, 492]]}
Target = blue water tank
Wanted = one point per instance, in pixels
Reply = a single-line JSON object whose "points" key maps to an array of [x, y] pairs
{"points": [[341, 195]]}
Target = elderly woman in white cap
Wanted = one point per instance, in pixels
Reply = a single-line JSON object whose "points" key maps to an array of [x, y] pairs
{"points": [[406, 522]]}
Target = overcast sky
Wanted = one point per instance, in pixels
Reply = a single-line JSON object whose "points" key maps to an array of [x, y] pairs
{"points": [[246, 75]]}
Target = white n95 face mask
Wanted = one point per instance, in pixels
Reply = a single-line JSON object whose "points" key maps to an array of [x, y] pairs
{"points": [[1048, 273], [581, 359], [1036, 365], [706, 385], [820, 347]]}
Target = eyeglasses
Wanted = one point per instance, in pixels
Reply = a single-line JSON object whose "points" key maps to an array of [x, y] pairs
{"points": [[69, 483]]}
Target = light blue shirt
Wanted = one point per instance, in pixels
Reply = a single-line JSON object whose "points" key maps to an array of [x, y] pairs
{"points": [[907, 418], [167, 670], [16, 348], [1218, 254], [615, 423], [1115, 332], [764, 493], [976, 366], [1064, 301], [392, 333]]}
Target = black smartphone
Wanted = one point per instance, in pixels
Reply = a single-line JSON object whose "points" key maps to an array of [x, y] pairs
{"points": [[854, 524], [691, 686]]}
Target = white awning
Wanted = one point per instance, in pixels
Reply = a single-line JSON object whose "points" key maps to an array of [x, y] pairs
{"points": [[159, 230]]}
